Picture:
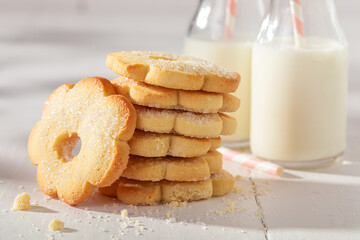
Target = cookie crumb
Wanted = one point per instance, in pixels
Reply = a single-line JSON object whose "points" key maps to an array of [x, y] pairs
{"points": [[20, 187], [56, 225], [177, 204], [238, 177], [22, 202], [169, 214], [124, 213], [230, 209], [237, 189], [174, 204]]}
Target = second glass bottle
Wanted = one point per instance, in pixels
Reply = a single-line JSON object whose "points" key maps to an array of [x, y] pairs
{"points": [[223, 32]]}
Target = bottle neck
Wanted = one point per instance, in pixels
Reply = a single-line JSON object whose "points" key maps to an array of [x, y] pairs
{"points": [[212, 21], [318, 19]]}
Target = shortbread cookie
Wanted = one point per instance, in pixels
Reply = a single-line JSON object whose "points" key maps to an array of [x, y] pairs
{"points": [[173, 71], [222, 182], [229, 124], [103, 120], [172, 168], [184, 123], [149, 144], [151, 193], [159, 97]]}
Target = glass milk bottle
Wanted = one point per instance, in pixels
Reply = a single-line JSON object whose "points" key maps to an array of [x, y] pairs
{"points": [[299, 84], [223, 32]]}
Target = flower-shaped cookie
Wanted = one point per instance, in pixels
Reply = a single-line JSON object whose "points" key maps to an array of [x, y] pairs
{"points": [[89, 111], [173, 71]]}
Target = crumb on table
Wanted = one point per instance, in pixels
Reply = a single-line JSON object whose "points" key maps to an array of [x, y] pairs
{"points": [[177, 204], [124, 213], [22, 202], [56, 225]]}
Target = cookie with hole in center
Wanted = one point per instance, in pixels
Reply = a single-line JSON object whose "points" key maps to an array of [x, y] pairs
{"points": [[159, 97], [173, 71], [148, 144], [92, 112], [151, 193]]}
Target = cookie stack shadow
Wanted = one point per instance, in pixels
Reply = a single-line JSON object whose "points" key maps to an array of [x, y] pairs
{"points": [[180, 103]]}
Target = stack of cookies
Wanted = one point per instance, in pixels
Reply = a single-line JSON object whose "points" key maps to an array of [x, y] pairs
{"points": [[180, 103]]}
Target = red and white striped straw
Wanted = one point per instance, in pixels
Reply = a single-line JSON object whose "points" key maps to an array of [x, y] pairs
{"points": [[250, 161], [230, 16], [298, 20]]}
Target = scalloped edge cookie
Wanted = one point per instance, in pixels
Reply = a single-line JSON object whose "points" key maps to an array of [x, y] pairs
{"points": [[103, 121], [173, 71], [173, 168], [184, 123], [148, 144], [160, 97], [152, 193]]}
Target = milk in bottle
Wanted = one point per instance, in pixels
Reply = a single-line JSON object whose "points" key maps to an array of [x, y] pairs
{"points": [[299, 85], [299, 101]]}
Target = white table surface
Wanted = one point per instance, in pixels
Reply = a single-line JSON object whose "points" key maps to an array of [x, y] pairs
{"points": [[47, 43]]}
